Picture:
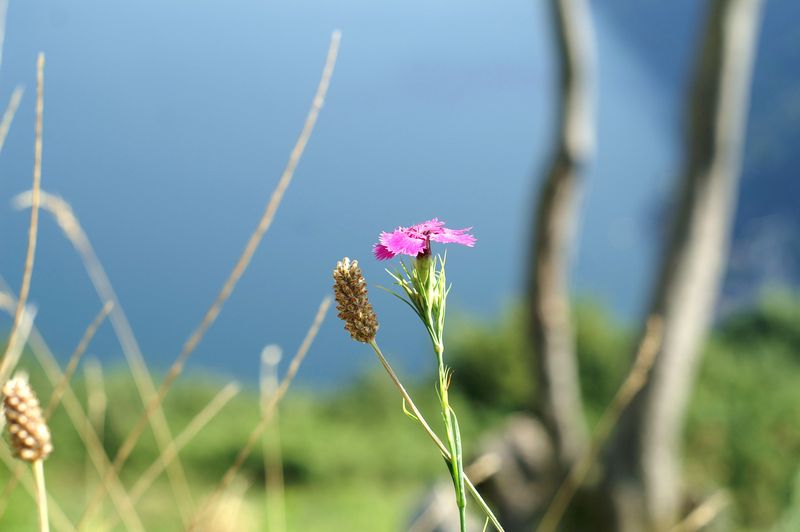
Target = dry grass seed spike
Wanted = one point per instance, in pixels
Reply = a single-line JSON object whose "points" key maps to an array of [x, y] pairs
{"points": [[30, 437], [352, 302]]}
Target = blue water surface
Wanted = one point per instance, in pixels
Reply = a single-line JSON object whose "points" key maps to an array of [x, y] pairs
{"points": [[167, 125]]}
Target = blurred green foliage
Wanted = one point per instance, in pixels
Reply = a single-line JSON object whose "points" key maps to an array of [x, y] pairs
{"points": [[743, 426], [495, 364], [744, 423], [353, 460]]}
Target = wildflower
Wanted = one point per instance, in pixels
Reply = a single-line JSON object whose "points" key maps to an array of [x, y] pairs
{"points": [[352, 302], [424, 288], [30, 437], [360, 321], [416, 240]]}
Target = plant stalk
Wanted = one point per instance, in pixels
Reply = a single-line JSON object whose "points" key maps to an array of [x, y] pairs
{"points": [[41, 496], [453, 437], [432, 435]]}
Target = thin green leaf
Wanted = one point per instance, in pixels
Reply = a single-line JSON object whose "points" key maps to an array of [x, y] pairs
{"points": [[408, 413], [458, 459]]}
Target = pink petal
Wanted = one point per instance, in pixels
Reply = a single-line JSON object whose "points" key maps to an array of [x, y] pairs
{"points": [[416, 239], [454, 236], [401, 242], [431, 227], [382, 252]]}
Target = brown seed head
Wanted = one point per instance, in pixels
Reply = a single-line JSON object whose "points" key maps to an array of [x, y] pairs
{"points": [[352, 302], [30, 437]]}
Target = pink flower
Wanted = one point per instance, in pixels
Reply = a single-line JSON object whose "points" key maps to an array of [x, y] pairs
{"points": [[416, 240]]}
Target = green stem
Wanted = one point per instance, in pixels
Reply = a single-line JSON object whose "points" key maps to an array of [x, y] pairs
{"points": [[453, 437], [432, 435], [41, 496], [461, 500]]}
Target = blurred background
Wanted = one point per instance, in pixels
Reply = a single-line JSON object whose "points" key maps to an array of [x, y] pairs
{"points": [[167, 126]]}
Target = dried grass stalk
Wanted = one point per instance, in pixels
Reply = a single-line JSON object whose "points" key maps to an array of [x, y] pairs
{"points": [[33, 229], [70, 225], [265, 222], [77, 416], [266, 415]]}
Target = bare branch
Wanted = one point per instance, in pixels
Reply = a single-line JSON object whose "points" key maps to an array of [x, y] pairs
{"points": [[636, 379], [646, 457], [551, 322]]}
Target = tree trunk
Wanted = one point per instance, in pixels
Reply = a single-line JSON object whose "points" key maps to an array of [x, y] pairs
{"points": [[645, 462], [549, 309]]}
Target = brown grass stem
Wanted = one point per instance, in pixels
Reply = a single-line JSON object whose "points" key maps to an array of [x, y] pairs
{"points": [[72, 365], [703, 514], [226, 514], [184, 438], [60, 520], [266, 414], [96, 398], [70, 225], [33, 227], [96, 406], [635, 380], [41, 496], [23, 332], [264, 224], [8, 115], [3, 16], [58, 391], [94, 447], [274, 488], [72, 406], [197, 424]]}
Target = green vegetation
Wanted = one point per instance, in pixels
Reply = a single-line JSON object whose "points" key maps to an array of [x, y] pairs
{"points": [[353, 461], [743, 428]]}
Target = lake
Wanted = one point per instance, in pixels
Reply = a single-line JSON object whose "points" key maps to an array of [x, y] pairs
{"points": [[168, 124]]}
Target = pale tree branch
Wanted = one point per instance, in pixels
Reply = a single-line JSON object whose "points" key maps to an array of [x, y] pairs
{"points": [[645, 466], [549, 308]]}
